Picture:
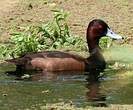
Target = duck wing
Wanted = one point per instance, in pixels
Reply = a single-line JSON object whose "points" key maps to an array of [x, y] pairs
{"points": [[27, 57]]}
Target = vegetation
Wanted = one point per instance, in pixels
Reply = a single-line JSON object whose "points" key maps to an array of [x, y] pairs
{"points": [[51, 35]]}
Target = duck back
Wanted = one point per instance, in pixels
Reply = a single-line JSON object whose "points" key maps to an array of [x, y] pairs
{"points": [[50, 61]]}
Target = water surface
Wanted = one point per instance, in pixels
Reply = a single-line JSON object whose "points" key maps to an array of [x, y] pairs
{"points": [[16, 92]]}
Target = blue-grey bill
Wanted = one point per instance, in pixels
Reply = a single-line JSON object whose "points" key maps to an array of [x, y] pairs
{"points": [[111, 34]]}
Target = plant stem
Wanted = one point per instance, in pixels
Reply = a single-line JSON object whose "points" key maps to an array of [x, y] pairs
{"points": [[58, 27]]}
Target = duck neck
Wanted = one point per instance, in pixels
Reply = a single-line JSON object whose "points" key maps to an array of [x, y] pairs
{"points": [[92, 45], [96, 52], [96, 58], [93, 42]]}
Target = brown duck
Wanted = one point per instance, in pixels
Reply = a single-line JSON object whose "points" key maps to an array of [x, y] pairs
{"points": [[64, 61]]}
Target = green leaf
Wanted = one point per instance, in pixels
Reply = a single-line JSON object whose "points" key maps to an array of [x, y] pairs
{"points": [[56, 11], [65, 16], [58, 15], [20, 39], [1, 55], [15, 34], [60, 19], [66, 44]]}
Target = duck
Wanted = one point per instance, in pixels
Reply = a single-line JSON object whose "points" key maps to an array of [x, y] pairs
{"points": [[65, 61]]}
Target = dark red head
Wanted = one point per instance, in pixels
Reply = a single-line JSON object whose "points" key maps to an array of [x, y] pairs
{"points": [[97, 29]]}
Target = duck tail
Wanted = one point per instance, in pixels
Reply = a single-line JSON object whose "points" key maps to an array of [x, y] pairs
{"points": [[15, 61], [12, 61]]}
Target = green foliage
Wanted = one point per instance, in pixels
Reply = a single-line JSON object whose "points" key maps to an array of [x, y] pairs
{"points": [[56, 34], [105, 42], [51, 35], [27, 41], [4, 51]]}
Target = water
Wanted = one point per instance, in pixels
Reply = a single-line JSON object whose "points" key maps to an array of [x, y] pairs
{"points": [[39, 89]]}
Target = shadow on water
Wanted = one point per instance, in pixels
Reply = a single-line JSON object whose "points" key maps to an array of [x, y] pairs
{"points": [[39, 88]]}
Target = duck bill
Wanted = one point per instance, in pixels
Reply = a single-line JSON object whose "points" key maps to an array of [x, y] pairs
{"points": [[113, 35]]}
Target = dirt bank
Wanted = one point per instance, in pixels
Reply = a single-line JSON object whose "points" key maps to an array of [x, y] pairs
{"points": [[6, 6], [117, 13]]}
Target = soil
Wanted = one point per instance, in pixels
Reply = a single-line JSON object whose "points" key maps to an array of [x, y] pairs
{"points": [[117, 13], [6, 6]]}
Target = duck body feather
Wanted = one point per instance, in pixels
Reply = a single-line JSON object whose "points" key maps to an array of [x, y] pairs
{"points": [[58, 61]]}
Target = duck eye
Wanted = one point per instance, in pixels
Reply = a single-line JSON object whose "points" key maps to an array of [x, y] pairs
{"points": [[100, 27]]}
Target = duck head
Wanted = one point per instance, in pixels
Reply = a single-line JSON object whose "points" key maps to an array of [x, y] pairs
{"points": [[97, 29]]}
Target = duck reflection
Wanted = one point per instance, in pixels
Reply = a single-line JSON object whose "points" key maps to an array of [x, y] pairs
{"points": [[93, 84], [94, 94]]}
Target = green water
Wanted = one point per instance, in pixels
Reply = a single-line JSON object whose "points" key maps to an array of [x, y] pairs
{"points": [[41, 89]]}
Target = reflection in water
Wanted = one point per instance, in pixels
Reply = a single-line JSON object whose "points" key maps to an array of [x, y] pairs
{"points": [[52, 76], [93, 94], [93, 85], [48, 87]]}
